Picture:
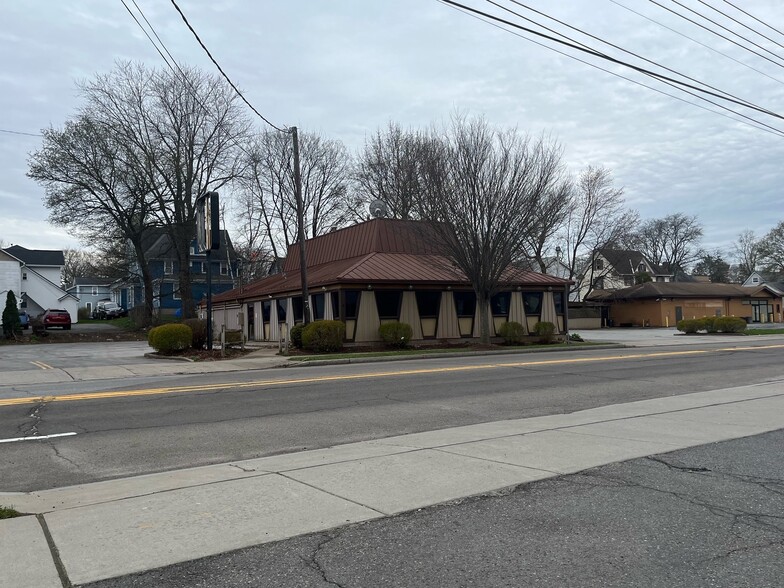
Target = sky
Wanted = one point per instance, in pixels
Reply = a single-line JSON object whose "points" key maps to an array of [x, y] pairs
{"points": [[344, 68]]}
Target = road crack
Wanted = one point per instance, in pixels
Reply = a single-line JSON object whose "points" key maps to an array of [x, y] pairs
{"points": [[30, 429], [313, 562]]}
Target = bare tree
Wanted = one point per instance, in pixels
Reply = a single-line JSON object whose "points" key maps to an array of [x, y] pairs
{"points": [[548, 219], [772, 249], [597, 219], [186, 129], [671, 241], [746, 251], [480, 186], [388, 169], [268, 204], [95, 188]]}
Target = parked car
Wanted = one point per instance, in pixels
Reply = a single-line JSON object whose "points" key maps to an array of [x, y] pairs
{"points": [[24, 319], [109, 310], [56, 317]]}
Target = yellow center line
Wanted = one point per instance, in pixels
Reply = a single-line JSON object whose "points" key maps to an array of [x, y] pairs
{"points": [[381, 374], [41, 365]]}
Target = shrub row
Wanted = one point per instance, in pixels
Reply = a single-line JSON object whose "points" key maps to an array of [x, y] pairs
{"points": [[713, 324], [319, 336]]}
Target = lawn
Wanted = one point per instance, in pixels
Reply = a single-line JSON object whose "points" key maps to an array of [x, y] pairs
{"points": [[764, 331]]}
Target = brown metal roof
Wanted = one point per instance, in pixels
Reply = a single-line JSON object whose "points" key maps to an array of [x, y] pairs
{"points": [[381, 235], [381, 251]]}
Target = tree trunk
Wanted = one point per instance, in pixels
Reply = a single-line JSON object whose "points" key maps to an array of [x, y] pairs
{"points": [[483, 306]]}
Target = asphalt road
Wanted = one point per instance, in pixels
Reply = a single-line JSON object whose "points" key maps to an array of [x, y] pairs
{"points": [[709, 516], [243, 415]]}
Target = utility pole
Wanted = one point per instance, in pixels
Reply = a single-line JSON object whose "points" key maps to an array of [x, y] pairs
{"points": [[303, 269]]}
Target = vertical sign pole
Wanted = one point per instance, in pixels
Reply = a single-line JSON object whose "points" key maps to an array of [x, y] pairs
{"points": [[303, 270], [209, 299]]}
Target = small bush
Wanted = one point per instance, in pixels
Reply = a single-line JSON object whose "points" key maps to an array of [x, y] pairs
{"points": [[545, 331], [395, 334], [199, 330], [707, 324], [323, 336], [512, 333], [688, 325], [730, 324], [170, 338], [576, 337], [295, 336]]}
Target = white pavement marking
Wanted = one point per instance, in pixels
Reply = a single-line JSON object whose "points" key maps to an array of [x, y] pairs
{"points": [[118, 527], [37, 438]]}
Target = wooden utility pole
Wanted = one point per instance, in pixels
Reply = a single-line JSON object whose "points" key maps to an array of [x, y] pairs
{"points": [[303, 269]]}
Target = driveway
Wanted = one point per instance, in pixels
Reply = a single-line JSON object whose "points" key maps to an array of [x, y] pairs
{"points": [[70, 355], [640, 337]]}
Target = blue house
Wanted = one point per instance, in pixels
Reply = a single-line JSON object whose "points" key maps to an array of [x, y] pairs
{"points": [[164, 267]]}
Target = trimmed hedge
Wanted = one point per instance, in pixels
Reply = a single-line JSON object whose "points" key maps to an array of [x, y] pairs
{"points": [[512, 333], [323, 336], [395, 334], [170, 338], [295, 336], [199, 329], [730, 324], [712, 324], [545, 330]]}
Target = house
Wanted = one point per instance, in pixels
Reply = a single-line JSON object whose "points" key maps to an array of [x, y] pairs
{"points": [[756, 279], [385, 270], [613, 269], [34, 275], [663, 304], [164, 268], [90, 291]]}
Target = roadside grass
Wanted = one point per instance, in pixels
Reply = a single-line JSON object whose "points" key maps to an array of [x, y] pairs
{"points": [[122, 322], [437, 351], [6, 512], [764, 331]]}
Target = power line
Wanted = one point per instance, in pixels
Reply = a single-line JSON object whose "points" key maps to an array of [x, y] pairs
{"points": [[20, 133], [746, 102], [710, 30], [657, 76], [744, 25], [693, 40], [738, 8], [223, 73], [754, 124], [166, 61]]}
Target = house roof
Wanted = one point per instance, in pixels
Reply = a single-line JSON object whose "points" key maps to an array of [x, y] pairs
{"points": [[157, 244], [92, 281], [680, 290], [626, 261], [382, 251], [47, 257]]}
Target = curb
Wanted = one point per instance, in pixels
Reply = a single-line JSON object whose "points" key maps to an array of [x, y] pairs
{"points": [[349, 360], [167, 357]]}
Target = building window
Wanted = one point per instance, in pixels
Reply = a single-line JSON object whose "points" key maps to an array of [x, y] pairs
{"points": [[352, 303], [465, 304], [95, 290], [558, 298], [24, 275], [281, 310], [168, 267], [388, 304], [755, 280], [428, 303], [224, 268], [641, 267], [598, 284], [335, 305], [266, 308], [598, 264], [176, 291], [499, 304], [532, 303], [318, 307]]}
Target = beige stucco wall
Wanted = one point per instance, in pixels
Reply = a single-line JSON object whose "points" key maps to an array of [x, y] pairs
{"points": [[662, 313]]}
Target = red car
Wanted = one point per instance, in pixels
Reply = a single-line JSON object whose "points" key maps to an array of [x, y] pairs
{"points": [[56, 317]]}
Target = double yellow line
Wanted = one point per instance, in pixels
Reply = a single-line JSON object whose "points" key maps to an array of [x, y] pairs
{"points": [[367, 376], [42, 365]]}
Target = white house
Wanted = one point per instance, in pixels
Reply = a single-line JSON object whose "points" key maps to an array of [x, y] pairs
{"points": [[34, 276], [614, 269]]}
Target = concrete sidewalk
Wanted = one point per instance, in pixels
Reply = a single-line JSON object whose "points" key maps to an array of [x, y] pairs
{"points": [[113, 528]]}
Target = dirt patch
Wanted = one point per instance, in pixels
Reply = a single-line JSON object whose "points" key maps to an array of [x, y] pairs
{"points": [[62, 336]]}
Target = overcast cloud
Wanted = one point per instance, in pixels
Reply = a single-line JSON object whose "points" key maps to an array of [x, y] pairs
{"points": [[346, 67]]}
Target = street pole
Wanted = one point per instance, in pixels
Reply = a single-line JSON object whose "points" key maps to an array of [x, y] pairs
{"points": [[303, 270], [209, 299]]}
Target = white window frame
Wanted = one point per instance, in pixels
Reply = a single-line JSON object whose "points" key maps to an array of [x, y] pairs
{"points": [[168, 267], [176, 291], [94, 290]]}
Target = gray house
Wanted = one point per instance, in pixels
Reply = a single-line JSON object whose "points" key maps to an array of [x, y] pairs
{"points": [[90, 291]]}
